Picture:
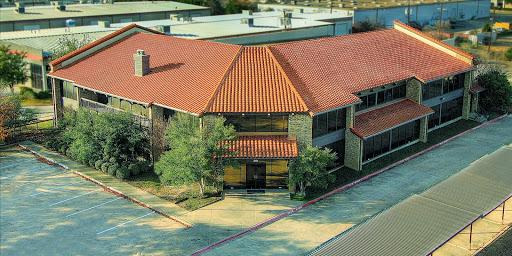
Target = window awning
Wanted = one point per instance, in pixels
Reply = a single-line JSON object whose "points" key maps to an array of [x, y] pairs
{"points": [[475, 88], [388, 117], [261, 147]]}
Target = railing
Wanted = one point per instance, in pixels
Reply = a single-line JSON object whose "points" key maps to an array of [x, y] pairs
{"points": [[102, 108]]}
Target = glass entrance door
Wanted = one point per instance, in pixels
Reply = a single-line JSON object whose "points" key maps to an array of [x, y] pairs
{"points": [[256, 175]]}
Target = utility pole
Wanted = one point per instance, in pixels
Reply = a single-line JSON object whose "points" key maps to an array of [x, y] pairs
{"points": [[408, 11], [440, 21], [490, 36]]}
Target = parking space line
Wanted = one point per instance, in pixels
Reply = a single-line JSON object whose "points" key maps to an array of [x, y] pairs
{"points": [[93, 207], [59, 187], [74, 197], [18, 163], [124, 223]]}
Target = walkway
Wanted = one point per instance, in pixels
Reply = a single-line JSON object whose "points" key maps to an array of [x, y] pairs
{"points": [[303, 231]]}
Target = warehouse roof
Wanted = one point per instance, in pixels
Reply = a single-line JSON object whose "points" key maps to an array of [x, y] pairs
{"points": [[89, 10]]}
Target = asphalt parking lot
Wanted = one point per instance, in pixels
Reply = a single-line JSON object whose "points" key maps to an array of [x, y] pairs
{"points": [[47, 210]]}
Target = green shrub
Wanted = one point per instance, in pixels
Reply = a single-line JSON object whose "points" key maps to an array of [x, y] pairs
{"points": [[98, 164], [43, 95], [113, 160], [26, 92], [486, 27], [112, 169], [104, 167], [123, 173], [134, 169], [63, 148], [508, 54], [68, 152], [92, 162], [55, 145], [48, 145], [143, 166]]}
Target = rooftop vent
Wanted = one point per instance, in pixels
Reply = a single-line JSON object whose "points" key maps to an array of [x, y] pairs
{"points": [[341, 5], [60, 6], [296, 10], [20, 7], [248, 21], [70, 23], [379, 5], [318, 1], [247, 12], [294, 2], [176, 17], [104, 24], [141, 61]]}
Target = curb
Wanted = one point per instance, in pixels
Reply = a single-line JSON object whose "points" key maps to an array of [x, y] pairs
{"points": [[275, 218], [106, 188]]}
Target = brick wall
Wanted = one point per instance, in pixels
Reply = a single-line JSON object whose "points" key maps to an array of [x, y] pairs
{"points": [[301, 126], [57, 107], [353, 144], [413, 90], [474, 102], [424, 129]]}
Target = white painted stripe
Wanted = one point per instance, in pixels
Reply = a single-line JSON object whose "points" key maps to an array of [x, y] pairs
{"points": [[124, 223], [26, 183], [93, 207], [18, 163], [59, 187], [74, 197]]}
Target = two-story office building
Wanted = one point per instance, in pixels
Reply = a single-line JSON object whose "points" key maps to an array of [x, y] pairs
{"points": [[362, 95]]}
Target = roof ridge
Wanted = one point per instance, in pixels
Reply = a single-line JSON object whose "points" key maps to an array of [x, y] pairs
{"points": [[292, 86], [99, 41], [224, 77], [432, 39]]}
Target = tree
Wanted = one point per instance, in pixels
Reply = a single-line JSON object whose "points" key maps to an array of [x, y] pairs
{"points": [[197, 154], [92, 136], [12, 114], [68, 44], [366, 26], [234, 6], [498, 92], [13, 68], [215, 7], [310, 167], [486, 27]]}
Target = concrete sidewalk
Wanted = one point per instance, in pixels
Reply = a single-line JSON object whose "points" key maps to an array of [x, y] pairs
{"points": [[303, 231]]}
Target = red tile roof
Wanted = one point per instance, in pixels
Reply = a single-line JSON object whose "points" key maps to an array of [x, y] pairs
{"points": [[276, 146], [184, 73], [326, 72], [389, 116], [256, 84], [475, 88], [99, 41]]}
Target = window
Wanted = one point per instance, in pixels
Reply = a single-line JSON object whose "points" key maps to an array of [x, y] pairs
{"points": [[382, 96], [69, 91], [102, 98], [432, 89], [339, 148], [258, 123], [36, 76], [329, 122]]}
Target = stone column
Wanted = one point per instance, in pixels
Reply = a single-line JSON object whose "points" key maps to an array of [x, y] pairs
{"points": [[413, 90], [474, 102], [424, 129], [353, 144], [58, 113], [301, 126], [466, 103], [157, 140]]}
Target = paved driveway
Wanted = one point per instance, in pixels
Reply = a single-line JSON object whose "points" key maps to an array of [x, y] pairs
{"points": [[303, 231]]}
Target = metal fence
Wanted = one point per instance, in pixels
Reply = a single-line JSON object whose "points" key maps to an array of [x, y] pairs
{"points": [[102, 108]]}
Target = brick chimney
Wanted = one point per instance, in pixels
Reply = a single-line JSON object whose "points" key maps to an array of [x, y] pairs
{"points": [[141, 61]]}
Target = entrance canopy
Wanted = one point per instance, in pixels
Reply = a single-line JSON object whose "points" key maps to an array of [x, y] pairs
{"points": [[422, 223], [265, 147]]}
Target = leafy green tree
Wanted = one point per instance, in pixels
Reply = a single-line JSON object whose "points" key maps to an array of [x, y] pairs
{"points": [[508, 54], [236, 6], [12, 114], [215, 7], [486, 27], [68, 44], [366, 26], [196, 153], [111, 135], [498, 92], [13, 68], [310, 167]]}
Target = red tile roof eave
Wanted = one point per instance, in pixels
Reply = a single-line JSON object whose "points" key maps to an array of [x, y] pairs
{"points": [[433, 39], [99, 41], [391, 128]]}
